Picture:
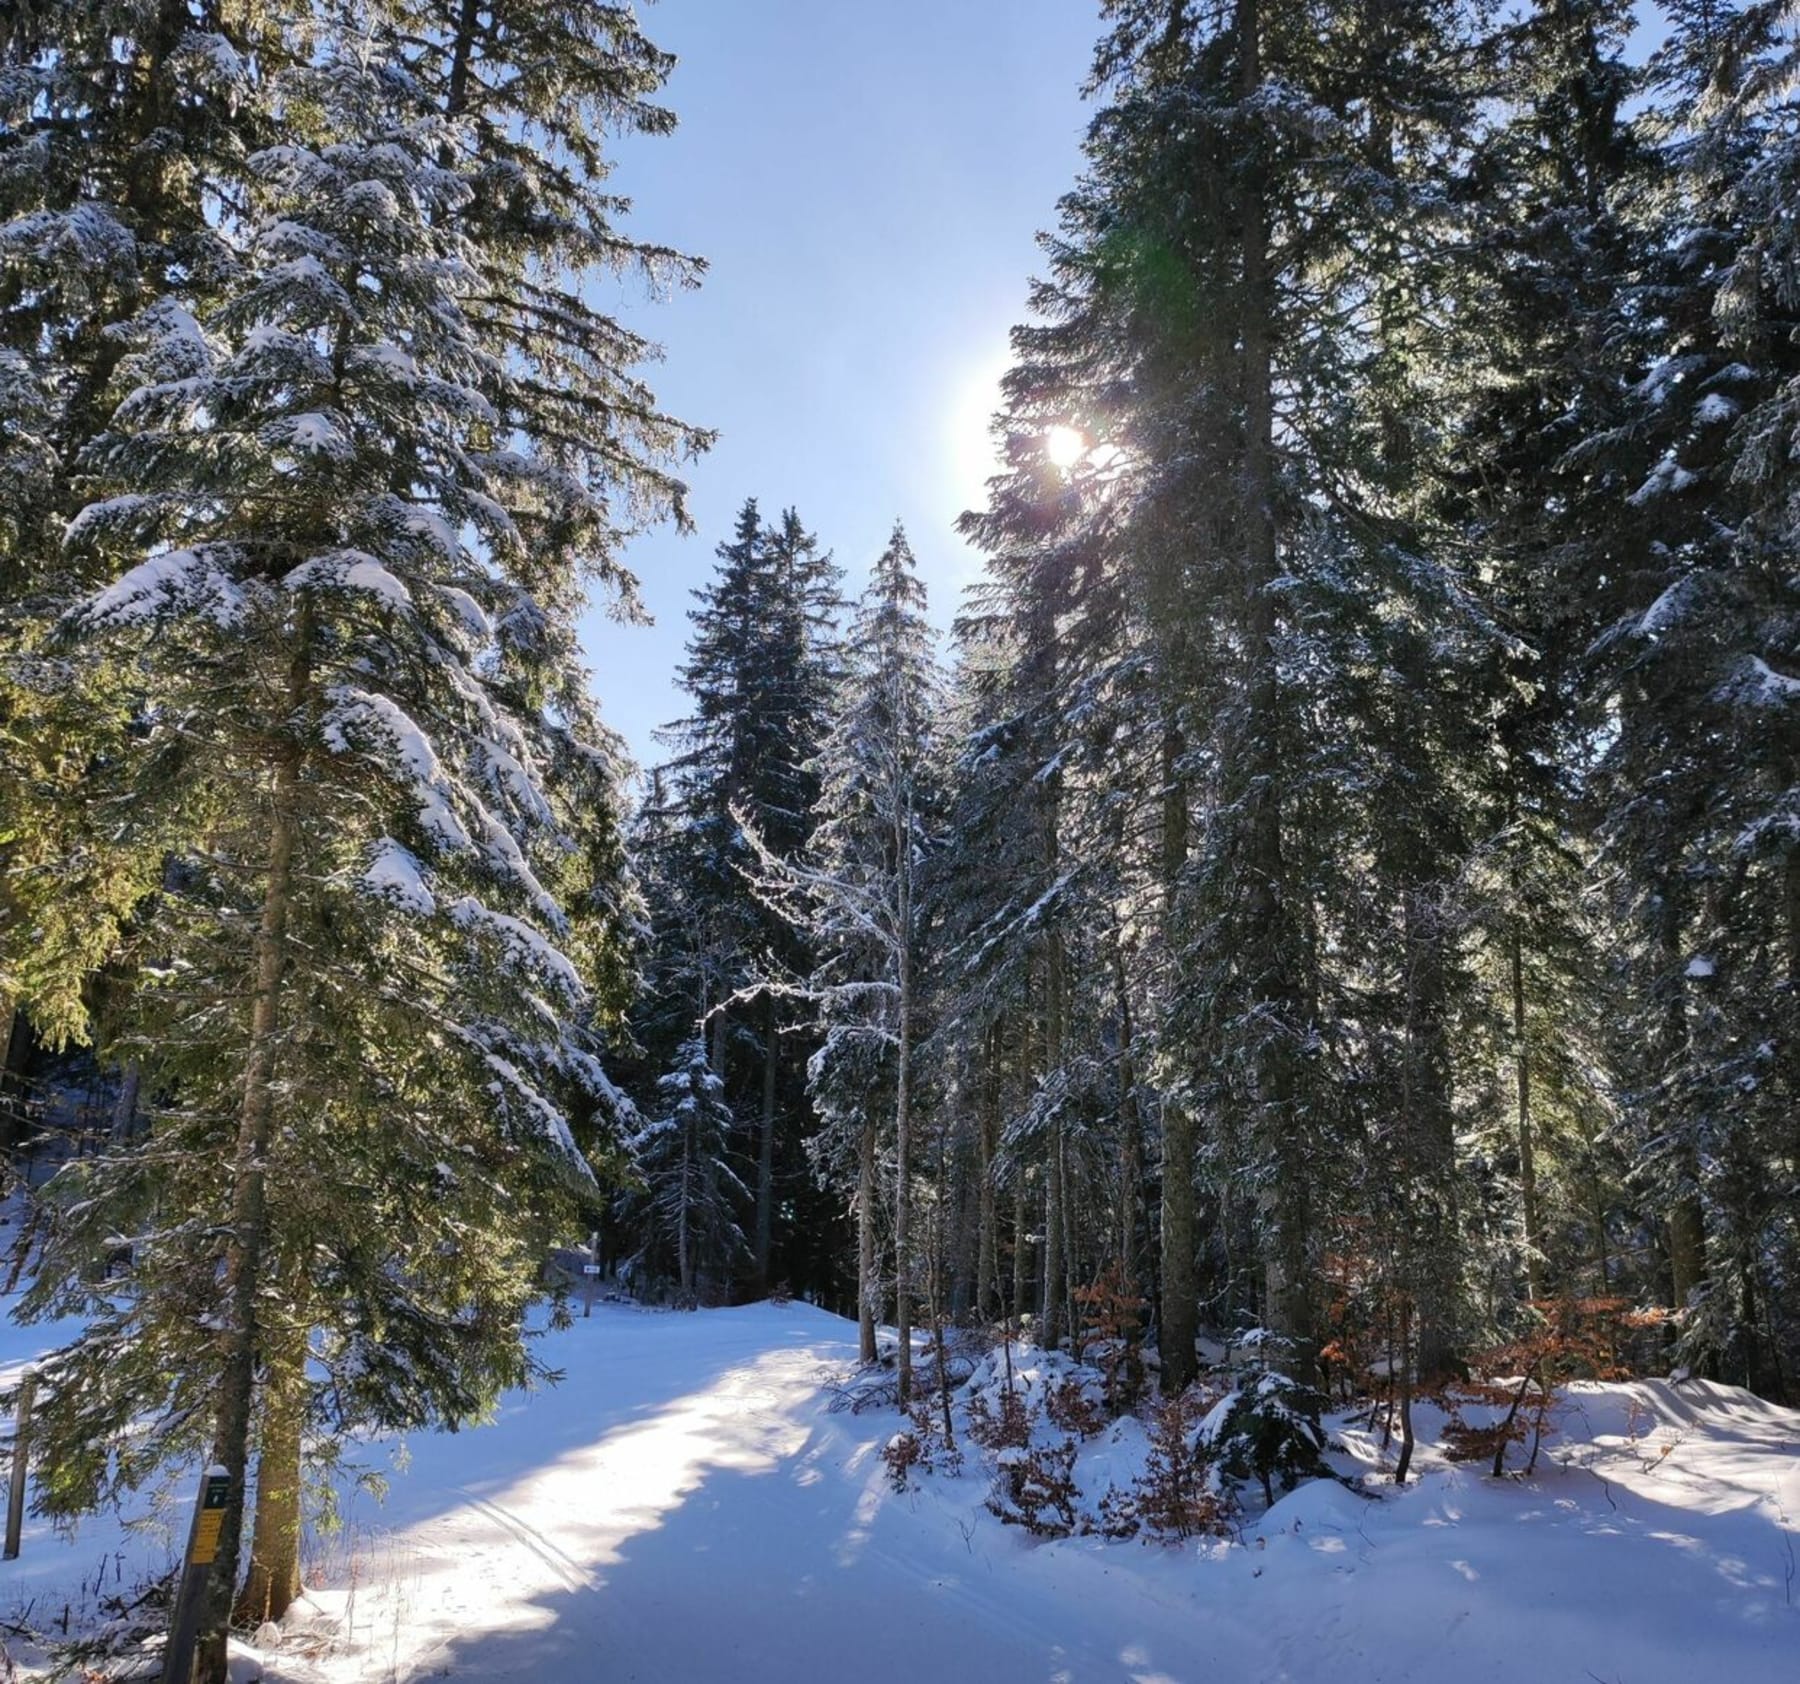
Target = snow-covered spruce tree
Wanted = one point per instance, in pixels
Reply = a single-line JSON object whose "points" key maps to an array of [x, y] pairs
{"points": [[346, 580], [1394, 626], [1259, 624], [1698, 670], [1095, 625], [687, 1215], [855, 898], [1083, 763], [1538, 479], [1043, 870], [1187, 287], [982, 884], [534, 91], [118, 121], [759, 670], [1760, 305]]}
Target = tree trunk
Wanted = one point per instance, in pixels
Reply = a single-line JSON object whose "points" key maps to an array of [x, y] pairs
{"points": [[1528, 1192], [720, 1030], [903, 1114], [1071, 1253], [249, 1209], [1178, 1322], [1432, 1122], [1687, 1244], [765, 1160], [20, 1040], [125, 1108], [462, 51], [1286, 1258], [1056, 1258], [1022, 1271], [1686, 1216], [937, 1309], [1402, 1377], [868, 1289], [1792, 885], [1793, 980], [1050, 1316], [684, 1259], [274, 1579], [943, 1359], [962, 1197], [987, 1266], [1131, 1168]]}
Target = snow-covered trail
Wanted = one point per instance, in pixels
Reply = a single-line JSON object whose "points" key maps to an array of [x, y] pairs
{"points": [[685, 1508], [694, 1511]]}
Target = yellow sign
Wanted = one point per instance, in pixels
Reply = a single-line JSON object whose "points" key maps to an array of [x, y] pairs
{"points": [[206, 1537], [210, 1520]]}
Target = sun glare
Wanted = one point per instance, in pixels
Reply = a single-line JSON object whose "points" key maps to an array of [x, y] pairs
{"points": [[1065, 446]]}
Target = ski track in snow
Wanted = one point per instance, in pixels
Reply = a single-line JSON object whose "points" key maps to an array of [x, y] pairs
{"points": [[685, 1508]]}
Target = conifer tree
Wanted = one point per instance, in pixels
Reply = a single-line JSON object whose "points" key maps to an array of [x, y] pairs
{"points": [[760, 667], [1252, 230], [1545, 280], [344, 573], [855, 897], [1699, 657], [117, 123], [688, 1216], [988, 892]]}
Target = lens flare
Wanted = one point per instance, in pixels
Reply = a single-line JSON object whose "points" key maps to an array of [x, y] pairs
{"points": [[1065, 446]]}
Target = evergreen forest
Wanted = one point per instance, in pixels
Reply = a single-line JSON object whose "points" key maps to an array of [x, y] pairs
{"points": [[1334, 881]]}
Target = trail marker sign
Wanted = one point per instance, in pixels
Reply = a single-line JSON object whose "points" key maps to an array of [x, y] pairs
{"points": [[203, 1550]]}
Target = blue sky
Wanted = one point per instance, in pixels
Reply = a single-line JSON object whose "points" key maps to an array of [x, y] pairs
{"points": [[866, 181]]}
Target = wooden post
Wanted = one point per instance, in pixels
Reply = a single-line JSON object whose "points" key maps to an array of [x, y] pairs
{"points": [[15, 1497], [196, 1574]]}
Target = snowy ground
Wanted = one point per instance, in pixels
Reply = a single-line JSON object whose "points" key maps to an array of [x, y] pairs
{"points": [[686, 1507]]}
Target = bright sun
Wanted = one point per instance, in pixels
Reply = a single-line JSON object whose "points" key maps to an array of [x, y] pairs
{"points": [[1065, 446]]}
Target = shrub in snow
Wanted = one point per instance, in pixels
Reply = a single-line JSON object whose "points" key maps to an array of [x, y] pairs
{"points": [[1003, 1394], [1267, 1430], [998, 1419], [1075, 1406], [926, 1444], [900, 1455], [1571, 1338], [1507, 1412], [1034, 1487], [1178, 1495], [933, 1433], [1118, 1514], [1111, 1335]]}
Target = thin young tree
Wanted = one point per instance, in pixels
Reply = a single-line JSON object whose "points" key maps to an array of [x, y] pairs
{"points": [[855, 895]]}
